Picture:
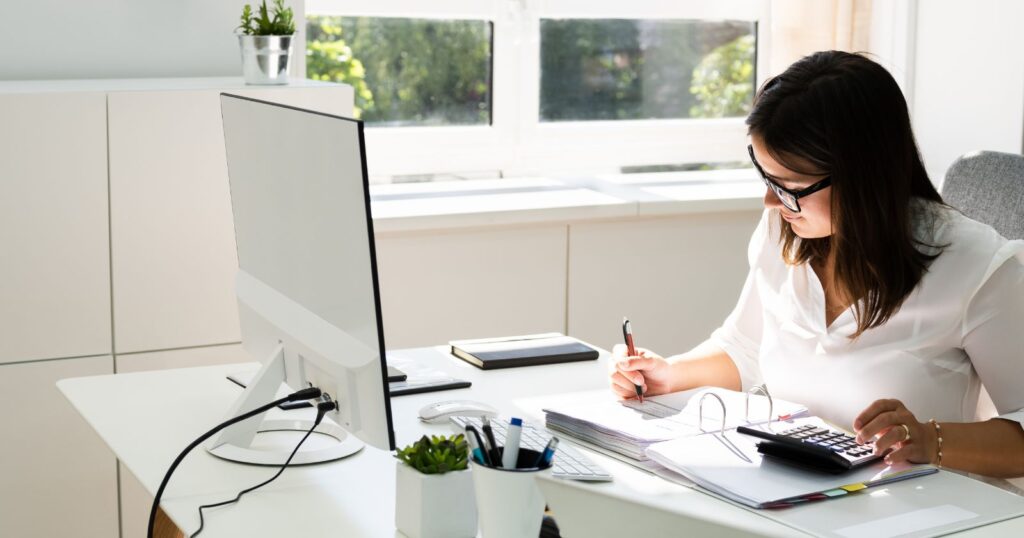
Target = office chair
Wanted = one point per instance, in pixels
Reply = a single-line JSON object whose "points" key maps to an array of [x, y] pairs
{"points": [[988, 187]]}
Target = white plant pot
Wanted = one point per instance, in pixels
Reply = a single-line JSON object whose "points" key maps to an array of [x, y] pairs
{"points": [[435, 505]]}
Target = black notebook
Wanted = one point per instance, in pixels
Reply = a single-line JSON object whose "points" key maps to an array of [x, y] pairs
{"points": [[529, 350]]}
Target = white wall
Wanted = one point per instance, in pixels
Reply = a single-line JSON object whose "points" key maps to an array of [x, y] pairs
{"points": [[67, 39], [968, 79]]}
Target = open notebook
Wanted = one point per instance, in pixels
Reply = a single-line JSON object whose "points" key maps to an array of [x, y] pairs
{"points": [[628, 427]]}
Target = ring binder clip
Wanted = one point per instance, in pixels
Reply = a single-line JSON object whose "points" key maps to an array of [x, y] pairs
{"points": [[762, 389], [700, 411]]}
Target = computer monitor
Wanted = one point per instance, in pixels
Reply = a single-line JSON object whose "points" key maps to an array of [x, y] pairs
{"points": [[308, 297]]}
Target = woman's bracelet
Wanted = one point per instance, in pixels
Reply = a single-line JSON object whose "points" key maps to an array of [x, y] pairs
{"points": [[938, 440]]}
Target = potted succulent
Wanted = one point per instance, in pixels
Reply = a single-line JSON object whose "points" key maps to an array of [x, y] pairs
{"points": [[434, 489], [265, 38]]}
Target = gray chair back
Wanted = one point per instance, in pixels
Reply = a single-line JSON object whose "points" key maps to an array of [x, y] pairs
{"points": [[988, 187]]}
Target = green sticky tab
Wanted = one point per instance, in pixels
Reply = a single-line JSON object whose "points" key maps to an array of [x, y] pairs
{"points": [[834, 493], [853, 487]]}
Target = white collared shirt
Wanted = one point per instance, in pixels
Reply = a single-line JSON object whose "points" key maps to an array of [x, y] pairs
{"points": [[961, 327]]}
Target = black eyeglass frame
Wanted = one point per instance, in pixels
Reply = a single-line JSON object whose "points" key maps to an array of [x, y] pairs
{"points": [[788, 195]]}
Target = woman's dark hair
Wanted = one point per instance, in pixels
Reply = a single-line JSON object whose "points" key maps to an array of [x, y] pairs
{"points": [[845, 115]]}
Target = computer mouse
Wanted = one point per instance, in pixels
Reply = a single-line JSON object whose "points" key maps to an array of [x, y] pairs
{"points": [[440, 411]]}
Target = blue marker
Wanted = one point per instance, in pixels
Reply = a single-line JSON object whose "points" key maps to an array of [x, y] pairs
{"points": [[548, 454], [511, 453]]}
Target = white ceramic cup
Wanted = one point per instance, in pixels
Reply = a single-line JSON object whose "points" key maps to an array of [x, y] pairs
{"points": [[509, 502]]}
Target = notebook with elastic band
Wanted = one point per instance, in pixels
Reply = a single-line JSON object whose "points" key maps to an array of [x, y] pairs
{"points": [[527, 350]]}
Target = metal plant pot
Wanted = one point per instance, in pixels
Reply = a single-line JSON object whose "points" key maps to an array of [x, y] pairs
{"points": [[265, 58]]}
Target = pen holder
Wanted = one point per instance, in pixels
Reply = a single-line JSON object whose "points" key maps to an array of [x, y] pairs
{"points": [[509, 502]]}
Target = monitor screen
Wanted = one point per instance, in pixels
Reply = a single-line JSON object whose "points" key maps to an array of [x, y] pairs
{"points": [[304, 234]]}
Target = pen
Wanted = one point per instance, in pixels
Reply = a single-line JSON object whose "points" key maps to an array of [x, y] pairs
{"points": [[548, 453], [510, 456], [475, 445], [627, 333], [492, 448]]}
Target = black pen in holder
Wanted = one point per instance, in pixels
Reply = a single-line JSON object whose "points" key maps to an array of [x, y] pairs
{"points": [[492, 445]]}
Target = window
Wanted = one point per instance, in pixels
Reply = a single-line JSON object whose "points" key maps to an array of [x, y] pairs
{"points": [[616, 69], [407, 72], [459, 88]]}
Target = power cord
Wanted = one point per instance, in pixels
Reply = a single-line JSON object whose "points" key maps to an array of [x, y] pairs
{"points": [[322, 409], [304, 394]]}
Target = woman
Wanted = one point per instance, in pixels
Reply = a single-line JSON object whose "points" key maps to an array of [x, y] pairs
{"points": [[868, 299]]}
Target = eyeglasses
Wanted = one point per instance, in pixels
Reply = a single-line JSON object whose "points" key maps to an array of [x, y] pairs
{"points": [[788, 197]]}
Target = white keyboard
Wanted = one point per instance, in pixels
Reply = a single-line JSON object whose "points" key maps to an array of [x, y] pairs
{"points": [[569, 463]]}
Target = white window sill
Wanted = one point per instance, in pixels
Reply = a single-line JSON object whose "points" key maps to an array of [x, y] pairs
{"points": [[501, 202]]}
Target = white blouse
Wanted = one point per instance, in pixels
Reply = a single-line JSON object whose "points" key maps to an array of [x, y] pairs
{"points": [[962, 327]]}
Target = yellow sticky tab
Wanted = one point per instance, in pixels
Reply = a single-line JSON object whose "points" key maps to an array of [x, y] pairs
{"points": [[853, 487]]}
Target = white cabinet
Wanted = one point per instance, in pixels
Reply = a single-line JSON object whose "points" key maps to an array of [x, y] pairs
{"points": [[54, 273], [675, 278], [117, 237], [447, 285], [172, 234], [182, 358], [59, 478]]}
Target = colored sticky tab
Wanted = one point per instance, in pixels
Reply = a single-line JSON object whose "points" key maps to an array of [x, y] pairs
{"points": [[853, 487], [834, 493]]}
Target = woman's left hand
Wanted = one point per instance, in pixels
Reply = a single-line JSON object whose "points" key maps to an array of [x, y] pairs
{"points": [[897, 428]]}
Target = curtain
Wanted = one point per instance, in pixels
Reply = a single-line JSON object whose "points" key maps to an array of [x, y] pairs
{"points": [[800, 27]]}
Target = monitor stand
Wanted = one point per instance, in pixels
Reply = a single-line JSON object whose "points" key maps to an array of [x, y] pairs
{"points": [[236, 442]]}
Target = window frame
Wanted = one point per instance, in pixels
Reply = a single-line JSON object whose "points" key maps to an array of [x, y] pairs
{"points": [[517, 143]]}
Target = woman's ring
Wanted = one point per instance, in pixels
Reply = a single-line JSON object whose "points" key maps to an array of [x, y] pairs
{"points": [[906, 433]]}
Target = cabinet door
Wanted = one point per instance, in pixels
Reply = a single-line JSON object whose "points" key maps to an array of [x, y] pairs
{"points": [[471, 284], [172, 235], [59, 478], [54, 277], [675, 278]]}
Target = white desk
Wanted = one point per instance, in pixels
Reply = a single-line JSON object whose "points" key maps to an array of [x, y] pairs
{"points": [[147, 418]]}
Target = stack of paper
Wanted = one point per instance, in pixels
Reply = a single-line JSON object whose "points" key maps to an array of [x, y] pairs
{"points": [[628, 427], [730, 465]]}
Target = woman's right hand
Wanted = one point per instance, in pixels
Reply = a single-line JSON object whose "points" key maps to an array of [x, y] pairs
{"points": [[646, 368]]}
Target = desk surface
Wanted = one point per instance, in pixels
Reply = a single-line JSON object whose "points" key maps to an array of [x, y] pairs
{"points": [[147, 418]]}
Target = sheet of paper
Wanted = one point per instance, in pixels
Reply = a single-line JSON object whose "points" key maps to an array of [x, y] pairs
{"points": [[668, 416]]}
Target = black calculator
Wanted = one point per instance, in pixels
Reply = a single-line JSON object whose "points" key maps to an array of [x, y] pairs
{"points": [[815, 447]]}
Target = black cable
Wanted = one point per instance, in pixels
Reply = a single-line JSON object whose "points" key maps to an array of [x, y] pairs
{"points": [[304, 394], [322, 410]]}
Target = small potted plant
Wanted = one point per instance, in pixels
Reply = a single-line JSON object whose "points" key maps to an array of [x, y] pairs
{"points": [[265, 38], [435, 490]]}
